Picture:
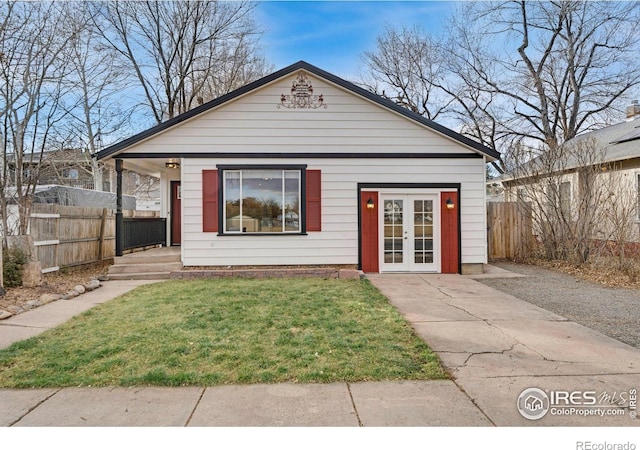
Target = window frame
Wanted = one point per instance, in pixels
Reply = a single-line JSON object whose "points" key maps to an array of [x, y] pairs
{"points": [[222, 168]]}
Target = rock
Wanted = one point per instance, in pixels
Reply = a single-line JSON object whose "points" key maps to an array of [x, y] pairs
{"points": [[48, 298], [103, 278], [79, 288], [71, 294], [5, 314], [32, 274], [91, 285], [2, 292], [34, 303], [13, 309]]}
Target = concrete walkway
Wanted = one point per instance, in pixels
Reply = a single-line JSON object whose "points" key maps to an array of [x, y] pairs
{"points": [[494, 345]]}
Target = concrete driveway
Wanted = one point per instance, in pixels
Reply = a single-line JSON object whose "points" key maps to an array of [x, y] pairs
{"points": [[496, 346]]}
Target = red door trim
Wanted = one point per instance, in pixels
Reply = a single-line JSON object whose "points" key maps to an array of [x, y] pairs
{"points": [[369, 232], [449, 233]]}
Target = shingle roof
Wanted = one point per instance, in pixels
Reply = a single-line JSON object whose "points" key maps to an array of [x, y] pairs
{"points": [[616, 142], [621, 141], [301, 65]]}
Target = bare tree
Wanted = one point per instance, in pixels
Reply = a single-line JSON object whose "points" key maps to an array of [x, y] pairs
{"points": [[32, 67], [178, 48], [552, 69], [416, 70], [409, 68], [564, 193], [239, 64], [517, 71], [96, 81]]}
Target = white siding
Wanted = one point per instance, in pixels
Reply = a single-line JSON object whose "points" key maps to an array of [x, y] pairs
{"points": [[350, 124], [254, 124], [337, 243]]}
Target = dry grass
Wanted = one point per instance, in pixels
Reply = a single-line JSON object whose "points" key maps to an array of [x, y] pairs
{"points": [[53, 283], [603, 270]]}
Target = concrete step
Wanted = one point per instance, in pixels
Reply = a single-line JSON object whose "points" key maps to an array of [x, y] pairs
{"points": [[144, 268], [140, 276], [134, 258]]}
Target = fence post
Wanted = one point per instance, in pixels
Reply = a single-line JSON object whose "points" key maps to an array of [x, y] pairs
{"points": [[103, 225]]}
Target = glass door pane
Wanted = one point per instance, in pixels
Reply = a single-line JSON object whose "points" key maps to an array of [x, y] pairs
{"points": [[393, 232], [423, 231]]}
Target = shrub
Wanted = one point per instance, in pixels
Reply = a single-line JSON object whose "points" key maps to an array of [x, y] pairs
{"points": [[13, 261]]}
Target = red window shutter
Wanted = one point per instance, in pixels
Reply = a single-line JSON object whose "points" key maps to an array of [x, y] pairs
{"points": [[314, 201], [210, 200]]}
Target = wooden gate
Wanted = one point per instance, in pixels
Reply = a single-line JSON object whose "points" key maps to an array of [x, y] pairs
{"points": [[509, 230]]}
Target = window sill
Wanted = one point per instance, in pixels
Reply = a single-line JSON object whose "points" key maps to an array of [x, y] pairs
{"points": [[261, 234]]}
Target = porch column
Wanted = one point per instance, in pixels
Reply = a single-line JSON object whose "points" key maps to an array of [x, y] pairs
{"points": [[119, 217]]}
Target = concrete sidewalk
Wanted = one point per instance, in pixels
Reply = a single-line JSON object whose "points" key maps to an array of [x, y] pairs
{"points": [[431, 403], [493, 344]]}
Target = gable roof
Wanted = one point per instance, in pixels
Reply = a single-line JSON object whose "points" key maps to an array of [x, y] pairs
{"points": [[301, 65]]}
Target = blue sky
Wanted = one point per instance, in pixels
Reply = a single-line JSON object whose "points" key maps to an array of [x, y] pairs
{"points": [[334, 34]]}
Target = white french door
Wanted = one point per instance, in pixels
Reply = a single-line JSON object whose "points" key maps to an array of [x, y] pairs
{"points": [[409, 234]]}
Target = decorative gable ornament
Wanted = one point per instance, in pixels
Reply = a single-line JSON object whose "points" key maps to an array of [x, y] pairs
{"points": [[301, 96]]}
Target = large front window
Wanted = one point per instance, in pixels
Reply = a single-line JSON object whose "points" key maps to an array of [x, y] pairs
{"points": [[262, 201]]}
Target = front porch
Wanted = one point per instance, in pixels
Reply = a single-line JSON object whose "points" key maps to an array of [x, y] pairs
{"points": [[142, 232]]}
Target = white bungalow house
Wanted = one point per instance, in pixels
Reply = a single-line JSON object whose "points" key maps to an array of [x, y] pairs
{"points": [[304, 168]]}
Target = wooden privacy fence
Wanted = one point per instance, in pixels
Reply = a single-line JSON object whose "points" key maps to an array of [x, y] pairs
{"points": [[65, 236], [510, 234]]}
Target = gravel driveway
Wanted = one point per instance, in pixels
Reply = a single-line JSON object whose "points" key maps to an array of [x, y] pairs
{"points": [[611, 311]]}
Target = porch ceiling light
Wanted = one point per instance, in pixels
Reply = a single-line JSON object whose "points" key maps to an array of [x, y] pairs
{"points": [[370, 204], [172, 165], [450, 204]]}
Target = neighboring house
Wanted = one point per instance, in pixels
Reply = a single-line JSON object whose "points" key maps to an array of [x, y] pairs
{"points": [[305, 168], [605, 160], [66, 167], [72, 167]]}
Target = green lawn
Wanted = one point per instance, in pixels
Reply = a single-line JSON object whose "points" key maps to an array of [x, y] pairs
{"points": [[212, 332]]}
